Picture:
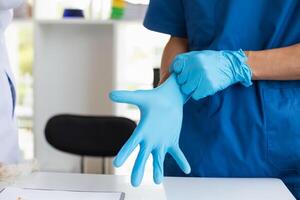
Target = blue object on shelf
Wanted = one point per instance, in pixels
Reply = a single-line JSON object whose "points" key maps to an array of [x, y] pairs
{"points": [[70, 13]]}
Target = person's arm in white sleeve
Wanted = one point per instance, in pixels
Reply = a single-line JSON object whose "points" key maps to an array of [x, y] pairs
{"points": [[9, 4]]}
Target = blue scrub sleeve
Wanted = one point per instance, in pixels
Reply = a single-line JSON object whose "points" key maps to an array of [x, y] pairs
{"points": [[166, 16]]}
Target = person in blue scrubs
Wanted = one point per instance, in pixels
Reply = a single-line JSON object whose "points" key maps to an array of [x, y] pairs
{"points": [[239, 131]]}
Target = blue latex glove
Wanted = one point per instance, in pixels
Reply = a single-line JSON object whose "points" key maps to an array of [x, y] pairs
{"points": [[203, 73], [158, 131]]}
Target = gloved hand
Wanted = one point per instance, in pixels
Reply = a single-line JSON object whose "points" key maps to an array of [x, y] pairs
{"points": [[158, 131], [203, 73]]}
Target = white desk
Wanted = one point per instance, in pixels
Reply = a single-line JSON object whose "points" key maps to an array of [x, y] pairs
{"points": [[172, 189]]}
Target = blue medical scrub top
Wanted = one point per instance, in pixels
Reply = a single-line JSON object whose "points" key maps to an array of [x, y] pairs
{"points": [[240, 131]]}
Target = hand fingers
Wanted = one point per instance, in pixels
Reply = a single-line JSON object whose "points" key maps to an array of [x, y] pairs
{"points": [[190, 86], [177, 64], [180, 69], [130, 97], [203, 89], [139, 166], [127, 149], [183, 76], [180, 159], [201, 92], [158, 165]]}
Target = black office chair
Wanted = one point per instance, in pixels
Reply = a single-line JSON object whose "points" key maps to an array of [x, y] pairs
{"points": [[87, 135], [156, 79]]}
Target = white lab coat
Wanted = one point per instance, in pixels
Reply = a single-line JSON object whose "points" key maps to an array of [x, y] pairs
{"points": [[9, 151]]}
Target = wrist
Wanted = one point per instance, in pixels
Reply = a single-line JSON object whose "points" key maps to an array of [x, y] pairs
{"points": [[243, 71], [250, 62], [164, 75]]}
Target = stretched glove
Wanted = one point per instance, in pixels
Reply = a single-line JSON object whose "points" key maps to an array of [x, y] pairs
{"points": [[158, 131], [203, 73]]}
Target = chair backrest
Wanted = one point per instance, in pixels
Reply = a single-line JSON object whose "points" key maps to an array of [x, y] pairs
{"points": [[89, 135]]}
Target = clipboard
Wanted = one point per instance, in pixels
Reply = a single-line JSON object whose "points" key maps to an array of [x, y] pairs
{"points": [[12, 193]]}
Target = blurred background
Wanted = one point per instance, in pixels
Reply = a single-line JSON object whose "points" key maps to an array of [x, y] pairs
{"points": [[68, 64]]}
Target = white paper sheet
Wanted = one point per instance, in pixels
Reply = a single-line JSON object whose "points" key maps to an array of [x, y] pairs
{"points": [[35, 194]]}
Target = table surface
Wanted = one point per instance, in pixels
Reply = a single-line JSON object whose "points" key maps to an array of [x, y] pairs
{"points": [[171, 189]]}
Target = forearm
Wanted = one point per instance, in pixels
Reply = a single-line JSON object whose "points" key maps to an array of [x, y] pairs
{"points": [[275, 64], [174, 47]]}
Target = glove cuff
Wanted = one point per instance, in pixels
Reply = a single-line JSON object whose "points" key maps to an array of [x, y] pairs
{"points": [[242, 71]]}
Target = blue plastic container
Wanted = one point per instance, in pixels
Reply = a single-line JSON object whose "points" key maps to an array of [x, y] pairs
{"points": [[73, 13]]}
